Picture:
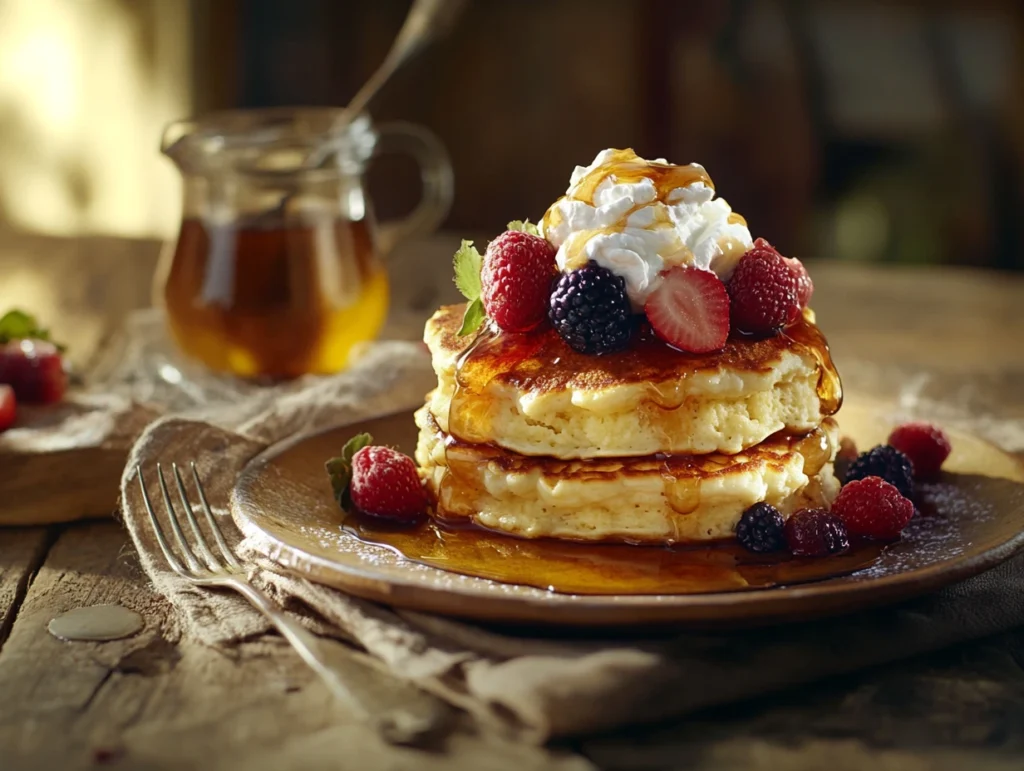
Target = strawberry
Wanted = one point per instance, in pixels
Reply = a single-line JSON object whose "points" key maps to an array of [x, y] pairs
{"points": [[873, 508], [764, 291], [804, 285], [926, 447], [690, 310], [516, 280], [377, 480], [8, 407], [34, 369]]}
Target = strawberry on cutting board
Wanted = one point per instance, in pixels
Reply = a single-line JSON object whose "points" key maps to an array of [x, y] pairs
{"points": [[30, 363], [8, 407]]}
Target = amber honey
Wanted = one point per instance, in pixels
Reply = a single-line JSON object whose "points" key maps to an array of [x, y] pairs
{"points": [[268, 298], [624, 167], [604, 569]]}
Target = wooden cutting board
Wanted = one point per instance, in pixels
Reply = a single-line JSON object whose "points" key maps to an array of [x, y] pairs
{"points": [[63, 462]]}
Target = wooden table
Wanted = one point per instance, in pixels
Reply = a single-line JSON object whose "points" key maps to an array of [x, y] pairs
{"points": [[158, 701]]}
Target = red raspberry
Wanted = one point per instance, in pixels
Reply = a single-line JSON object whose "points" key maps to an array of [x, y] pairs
{"points": [[816, 533], [873, 508], [804, 285], [8, 407], [517, 280], [925, 445], [385, 484], [764, 291]]}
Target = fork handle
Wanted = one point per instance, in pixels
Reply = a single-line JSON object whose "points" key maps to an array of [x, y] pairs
{"points": [[401, 727], [306, 644]]}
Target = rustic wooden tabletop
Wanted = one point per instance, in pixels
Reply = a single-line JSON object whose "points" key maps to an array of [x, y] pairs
{"points": [[159, 702]]}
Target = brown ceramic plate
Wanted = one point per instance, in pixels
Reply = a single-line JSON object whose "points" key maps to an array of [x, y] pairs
{"points": [[283, 502]]}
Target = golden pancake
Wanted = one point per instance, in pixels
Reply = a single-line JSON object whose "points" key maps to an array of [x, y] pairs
{"points": [[532, 394], [652, 499]]}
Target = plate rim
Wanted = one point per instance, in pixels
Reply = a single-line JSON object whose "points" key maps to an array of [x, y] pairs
{"points": [[659, 607]]}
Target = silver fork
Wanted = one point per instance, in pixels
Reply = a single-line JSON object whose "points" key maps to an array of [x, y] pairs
{"points": [[398, 727]]}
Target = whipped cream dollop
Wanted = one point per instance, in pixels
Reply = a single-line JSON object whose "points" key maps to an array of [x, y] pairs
{"points": [[638, 217]]}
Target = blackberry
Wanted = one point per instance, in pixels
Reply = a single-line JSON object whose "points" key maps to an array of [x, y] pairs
{"points": [[590, 310], [816, 533], [888, 463], [761, 529]]}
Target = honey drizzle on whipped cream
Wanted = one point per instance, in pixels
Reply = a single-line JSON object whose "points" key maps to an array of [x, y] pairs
{"points": [[626, 167]]}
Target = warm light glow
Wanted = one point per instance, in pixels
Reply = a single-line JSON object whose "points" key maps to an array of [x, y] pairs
{"points": [[85, 89]]}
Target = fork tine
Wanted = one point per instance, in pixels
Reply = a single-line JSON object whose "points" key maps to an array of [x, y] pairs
{"points": [[211, 520], [165, 547], [172, 515], [202, 548]]}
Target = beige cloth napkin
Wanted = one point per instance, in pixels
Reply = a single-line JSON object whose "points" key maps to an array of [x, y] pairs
{"points": [[534, 685]]}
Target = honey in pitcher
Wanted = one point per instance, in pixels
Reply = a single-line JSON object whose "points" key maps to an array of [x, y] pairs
{"points": [[275, 297]]}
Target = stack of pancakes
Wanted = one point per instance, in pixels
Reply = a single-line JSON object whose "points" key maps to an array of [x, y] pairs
{"points": [[650, 445]]}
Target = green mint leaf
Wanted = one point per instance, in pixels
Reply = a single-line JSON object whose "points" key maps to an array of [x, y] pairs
{"points": [[18, 325], [524, 226], [339, 470], [468, 264], [473, 318], [15, 325]]}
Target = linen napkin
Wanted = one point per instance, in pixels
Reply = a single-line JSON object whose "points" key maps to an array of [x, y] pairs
{"points": [[535, 685]]}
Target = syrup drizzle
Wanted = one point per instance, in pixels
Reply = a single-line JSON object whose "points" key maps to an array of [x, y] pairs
{"points": [[540, 361], [626, 167]]}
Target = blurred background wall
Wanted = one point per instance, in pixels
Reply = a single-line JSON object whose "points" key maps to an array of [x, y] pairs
{"points": [[846, 129]]}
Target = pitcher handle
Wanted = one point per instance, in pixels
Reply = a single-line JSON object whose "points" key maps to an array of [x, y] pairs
{"points": [[435, 173]]}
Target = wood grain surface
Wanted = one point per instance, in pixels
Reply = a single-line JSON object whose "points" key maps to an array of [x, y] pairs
{"points": [[158, 702]]}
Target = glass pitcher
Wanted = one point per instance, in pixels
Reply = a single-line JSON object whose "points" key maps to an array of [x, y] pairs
{"points": [[277, 270]]}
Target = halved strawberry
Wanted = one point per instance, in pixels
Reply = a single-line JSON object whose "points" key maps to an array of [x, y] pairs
{"points": [[690, 310], [7, 407]]}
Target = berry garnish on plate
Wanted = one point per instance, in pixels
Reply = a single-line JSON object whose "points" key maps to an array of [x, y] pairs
{"points": [[690, 310], [888, 463], [377, 480], [510, 283], [926, 447], [764, 291], [8, 407], [816, 533], [873, 508], [761, 529], [590, 310]]}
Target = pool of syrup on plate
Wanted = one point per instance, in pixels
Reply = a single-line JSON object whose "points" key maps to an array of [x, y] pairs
{"points": [[603, 569]]}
